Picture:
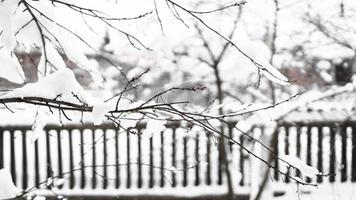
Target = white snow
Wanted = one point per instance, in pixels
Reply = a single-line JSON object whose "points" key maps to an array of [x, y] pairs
{"points": [[154, 126], [71, 48], [62, 82], [39, 198], [7, 188], [99, 111], [40, 122], [260, 53], [328, 191], [49, 181], [130, 120], [306, 170], [54, 61], [60, 85], [10, 67], [282, 111], [7, 12]]}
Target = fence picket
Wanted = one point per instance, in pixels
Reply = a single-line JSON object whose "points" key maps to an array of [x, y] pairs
{"points": [[24, 159], [151, 173], [82, 160], [242, 162], [48, 159], [59, 161], [94, 159], [162, 177], [320, 153], [298, 147], [309, 149], [286, 152], [185, 161], [343, 153], [332, 154], [174, 156], [197, 161], [1, 148], [353, 159], [71, 161], [12, 154], [139, 160], [208, 159], [276, 152], [105, 160], [128, 159], [117, 167]]}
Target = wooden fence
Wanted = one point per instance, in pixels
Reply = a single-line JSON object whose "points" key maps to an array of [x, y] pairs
{"points": [[103, 158], [328, 146]]}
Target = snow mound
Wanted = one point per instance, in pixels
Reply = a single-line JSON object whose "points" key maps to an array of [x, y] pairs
{"points": [[99, 112], [295, 162], [7, 188], [60, 85], [154, 126]]}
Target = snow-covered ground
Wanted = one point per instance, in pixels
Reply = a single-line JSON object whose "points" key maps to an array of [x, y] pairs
{"points": [[335, 191]]}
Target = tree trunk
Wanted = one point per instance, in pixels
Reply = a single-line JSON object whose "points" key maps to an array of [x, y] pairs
{"points": [[273, 97], [271, 158], [222, 145], [225, 167]]}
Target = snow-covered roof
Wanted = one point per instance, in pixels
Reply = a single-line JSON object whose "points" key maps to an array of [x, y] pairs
{"points": [[338, 108]]}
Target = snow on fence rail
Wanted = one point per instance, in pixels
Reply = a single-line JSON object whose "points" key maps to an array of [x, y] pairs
{"points": [[103, 158]]}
